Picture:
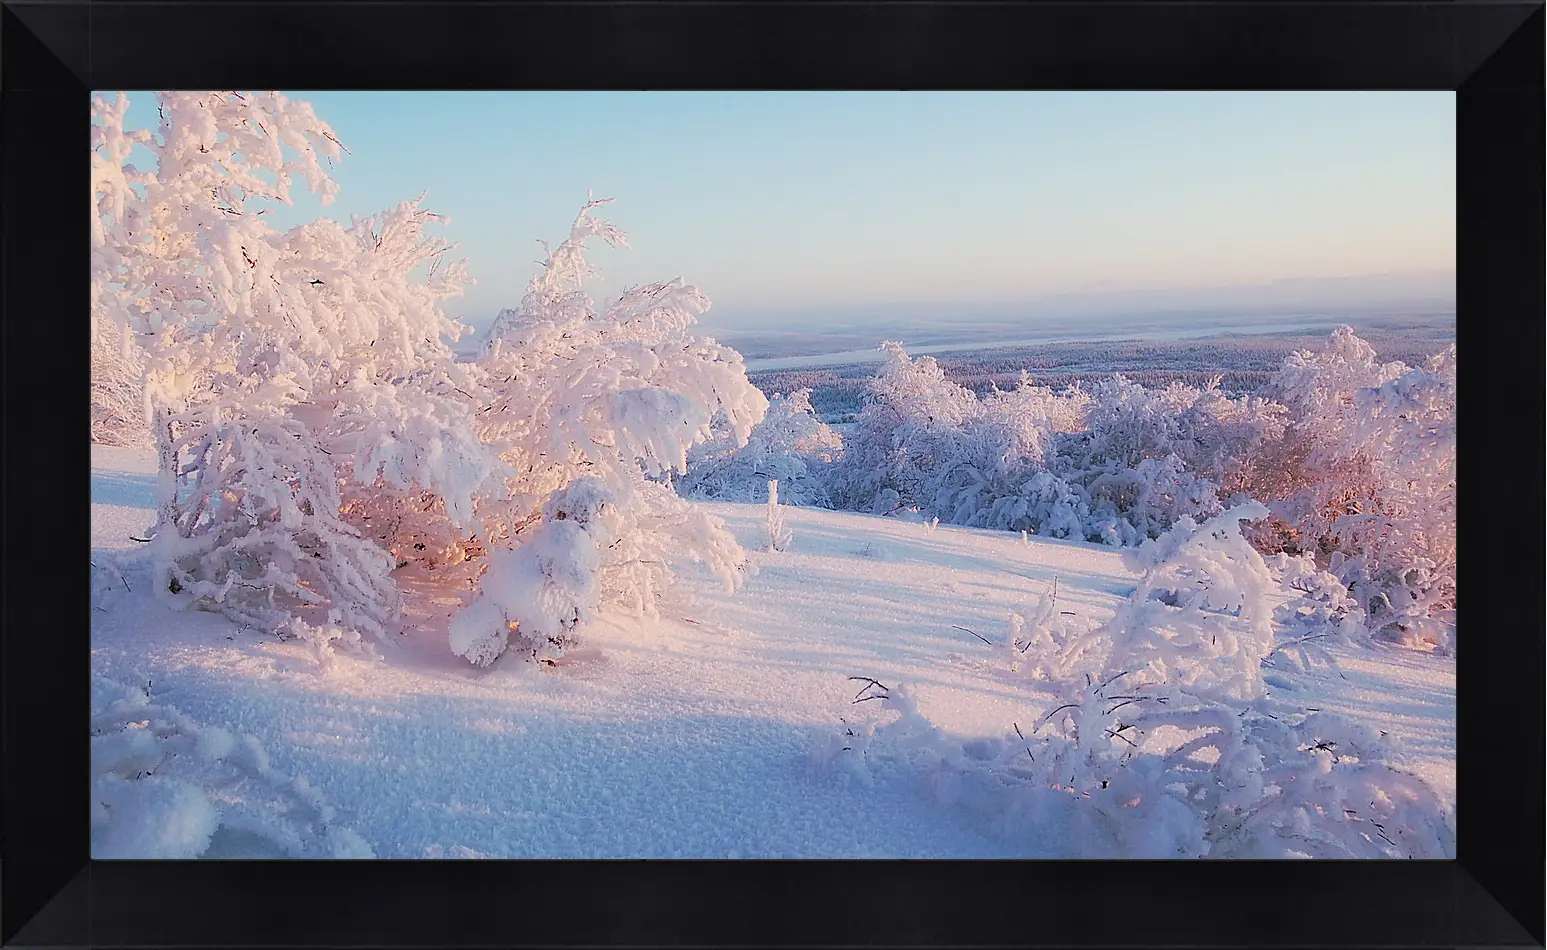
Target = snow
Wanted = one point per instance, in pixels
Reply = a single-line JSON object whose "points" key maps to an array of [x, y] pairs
{"points": [[693, 734]]}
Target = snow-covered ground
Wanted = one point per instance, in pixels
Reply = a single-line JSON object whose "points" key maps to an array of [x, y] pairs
{"points": [[691, 735]]}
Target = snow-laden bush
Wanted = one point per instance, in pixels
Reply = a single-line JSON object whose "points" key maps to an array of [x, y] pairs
{"points": [[1162, 741], [619, 394], [1129, 506], [1037, 412], [1364, 480], [1167, 771], [1043, 504], [1128, 423], [994, 469], [922, 442], [1210, 433], [1035, 643], [1120, 464], [1407, 581], [593, 408], [260, 536], [791, 446], [1323, 614], [1199, 619], [288, 373], [980, 481], [1314, 473], [165, 786], [597, 546], [1122, 770], [1151, 457], [896, 443]]}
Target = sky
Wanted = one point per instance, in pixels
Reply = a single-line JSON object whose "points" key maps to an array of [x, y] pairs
{"points": [[775, 203]]}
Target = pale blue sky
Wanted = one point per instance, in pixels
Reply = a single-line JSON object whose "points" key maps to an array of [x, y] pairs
{"points": [[799, 200]]}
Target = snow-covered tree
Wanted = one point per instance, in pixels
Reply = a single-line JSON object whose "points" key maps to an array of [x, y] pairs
{"points": [[617, 397], [1119, 464], [1314, 473], [791, 445], [1363, 479], [280, 366], [1407, 575], [117, 385], [1128, 423], [1150, 457], [895, 445], [779, 535]]}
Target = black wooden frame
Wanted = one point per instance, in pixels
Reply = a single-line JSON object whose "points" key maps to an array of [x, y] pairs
{"points": [[52, 53]]}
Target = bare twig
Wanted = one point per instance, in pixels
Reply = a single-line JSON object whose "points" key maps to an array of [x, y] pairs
{"points": [[1054, 711], [868, 684], [1112, 680], [1118, 734], [974, 633], [1023, 739]]}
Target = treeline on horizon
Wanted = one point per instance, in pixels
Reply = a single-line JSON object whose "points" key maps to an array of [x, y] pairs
{"points": [[1243, 364]]}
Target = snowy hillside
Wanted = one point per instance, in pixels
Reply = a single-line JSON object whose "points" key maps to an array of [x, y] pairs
{"points": [[706, 732]]}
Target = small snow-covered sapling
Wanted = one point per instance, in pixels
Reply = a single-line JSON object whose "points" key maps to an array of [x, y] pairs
{"points": [[779, 535]]}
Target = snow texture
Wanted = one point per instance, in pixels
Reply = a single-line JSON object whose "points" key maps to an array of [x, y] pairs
{"points": [[699, 732]]}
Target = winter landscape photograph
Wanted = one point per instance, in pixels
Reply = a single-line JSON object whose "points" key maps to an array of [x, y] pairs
{"points": [[773, 475]]}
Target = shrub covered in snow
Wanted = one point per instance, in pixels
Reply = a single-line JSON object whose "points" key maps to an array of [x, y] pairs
{"points": [[1128, 506], [1162, 741], [791, 446], [1321, 615], [261, 535], [922, 442], [314, 431], [1210, 432], [164, 786], [588, 411], [1354, 458], [596, 546], [289, 372], [1407, 575], [1199, 619], [1364, 480], [910, 408], [619, 394], [1119, 464]]}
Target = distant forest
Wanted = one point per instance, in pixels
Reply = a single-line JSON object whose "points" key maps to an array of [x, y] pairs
{"points": [[1243, 363]]}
